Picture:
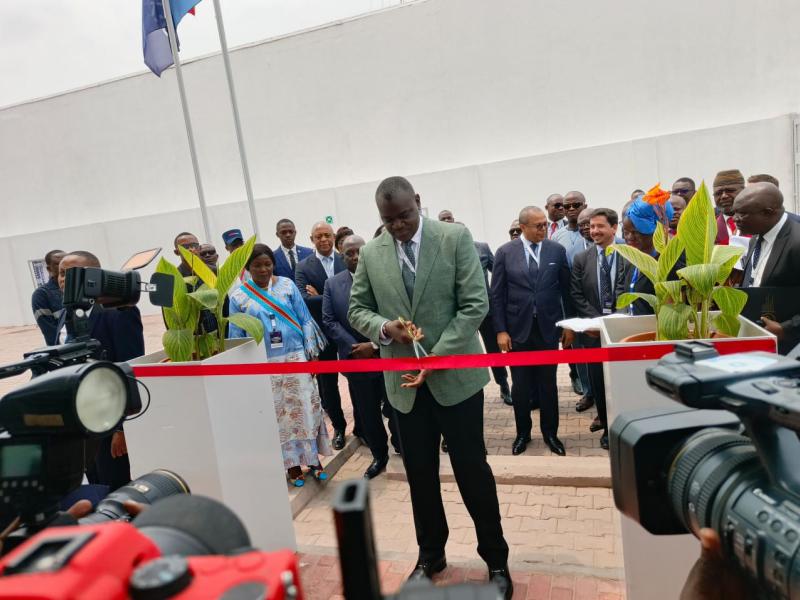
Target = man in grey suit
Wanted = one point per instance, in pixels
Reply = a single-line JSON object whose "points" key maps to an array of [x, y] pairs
{"points": [[428, 273], [488, 334]]}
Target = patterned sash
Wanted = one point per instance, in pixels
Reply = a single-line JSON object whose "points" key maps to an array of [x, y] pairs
{"points": [[280, 310]]}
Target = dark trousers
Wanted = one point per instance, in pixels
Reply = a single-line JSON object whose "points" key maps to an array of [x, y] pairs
{"points": [[582, 369], [597, 381], [535, 387], [489, 336], [106, 470], [367, 392], [329, 391], [462, 428]]}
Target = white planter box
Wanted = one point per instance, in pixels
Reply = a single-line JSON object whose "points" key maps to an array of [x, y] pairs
{"points": [[656, 566], [220, 434]]}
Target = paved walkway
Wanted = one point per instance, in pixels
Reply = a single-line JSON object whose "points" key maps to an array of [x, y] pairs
{"points": [[565, 541]]}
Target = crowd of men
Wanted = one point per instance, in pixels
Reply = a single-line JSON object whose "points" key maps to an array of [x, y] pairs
{"points": [[554, 266]]}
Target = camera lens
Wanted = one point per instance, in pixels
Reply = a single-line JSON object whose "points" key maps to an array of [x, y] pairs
{"points": [[704, 464], [147, 489]]}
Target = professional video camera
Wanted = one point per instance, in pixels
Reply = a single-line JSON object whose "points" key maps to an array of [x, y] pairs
{"points": [[48, 423], [679, 470]]}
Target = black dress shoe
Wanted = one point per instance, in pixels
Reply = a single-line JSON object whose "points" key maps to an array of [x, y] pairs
{"points": [[584, 403], [377, 467], [505, 394], [604, 441], [426, 569], [555, 445], [520, 444], [338, 439], [596, 425], [502, 579], [577, 386]]}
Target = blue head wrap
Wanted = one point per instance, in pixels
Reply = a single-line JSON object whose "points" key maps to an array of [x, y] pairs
{"points": [[644, 216]]}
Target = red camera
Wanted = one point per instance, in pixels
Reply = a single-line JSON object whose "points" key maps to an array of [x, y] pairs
{"points": [[115, 561]]}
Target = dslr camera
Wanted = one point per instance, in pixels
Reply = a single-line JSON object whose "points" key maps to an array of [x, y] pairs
{"points": [[728, 459]]}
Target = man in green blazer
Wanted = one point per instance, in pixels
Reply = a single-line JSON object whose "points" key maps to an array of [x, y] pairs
{"points": [[428, 273]]}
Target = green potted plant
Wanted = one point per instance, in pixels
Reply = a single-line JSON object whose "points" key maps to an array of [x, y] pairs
{"points": [[215, 431], [184, 339], [683, 306]]}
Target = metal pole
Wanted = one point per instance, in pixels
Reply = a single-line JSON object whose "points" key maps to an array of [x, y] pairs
{"points": [[242, 154], [186, 118]]}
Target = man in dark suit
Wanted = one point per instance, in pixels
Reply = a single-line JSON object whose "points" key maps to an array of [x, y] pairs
{"points": [[367, 390], [310, 276], [596, 279], [288, 254], [727, 186], [773, 257], [530, 293], [46, 299], [488, 334], [121, 337], [428, 273]]}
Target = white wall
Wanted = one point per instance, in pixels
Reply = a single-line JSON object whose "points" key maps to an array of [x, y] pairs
{"points": [[488, 106]]}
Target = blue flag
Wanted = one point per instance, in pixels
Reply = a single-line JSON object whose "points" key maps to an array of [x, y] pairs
{"points": [[155, 39]]}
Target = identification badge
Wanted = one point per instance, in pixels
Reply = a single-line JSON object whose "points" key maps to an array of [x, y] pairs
{"points": [[275, 339], [607, 311]]}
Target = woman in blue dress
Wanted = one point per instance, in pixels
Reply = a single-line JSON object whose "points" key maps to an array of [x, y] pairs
{"points": [[290, 335]]}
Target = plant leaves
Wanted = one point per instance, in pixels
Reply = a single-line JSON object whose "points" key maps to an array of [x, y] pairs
{"points": [[178, 344], [728, 324], [726, 257], [198, 267], [180, 299], [253, 326], [698, 228], [668, 257], [629, 298], [646, 264], [660, 238], [229, 271], [673, 322], [669, 290], [206, 345], [701, 278], [208, 297], [729, 300]]}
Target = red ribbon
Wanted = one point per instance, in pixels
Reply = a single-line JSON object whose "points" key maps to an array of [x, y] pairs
{"points": [[459, 361]]}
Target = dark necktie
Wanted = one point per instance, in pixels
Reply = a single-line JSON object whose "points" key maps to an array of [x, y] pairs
{"points": [[292, 260], [408, 274], [756, 256], [606, 297], [533, 267]]}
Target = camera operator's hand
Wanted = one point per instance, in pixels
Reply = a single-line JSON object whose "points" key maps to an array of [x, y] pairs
{"points": [[118, 445], [80, 509], [714, 578], [773, 327]]}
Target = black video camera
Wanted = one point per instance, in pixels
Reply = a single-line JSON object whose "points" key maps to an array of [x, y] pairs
{"points": [[48, 423], [729, 460]]}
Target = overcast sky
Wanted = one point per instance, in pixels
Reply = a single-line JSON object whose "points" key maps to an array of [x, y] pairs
{"points": [[51, 46]]}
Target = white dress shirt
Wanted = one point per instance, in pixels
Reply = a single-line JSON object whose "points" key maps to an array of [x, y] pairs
{"points": [[416, 240], [285, 251], [767, 243], [529, 251]]}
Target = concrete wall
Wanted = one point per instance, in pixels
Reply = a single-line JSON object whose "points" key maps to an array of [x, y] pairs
{"points": [[487, 106]]}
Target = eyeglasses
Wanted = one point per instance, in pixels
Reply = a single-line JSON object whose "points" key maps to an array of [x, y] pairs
{"points": [[539, 226], [573, 205], [191, 245], [719, 192], [207, 253], [683, 192], [516, 231]]}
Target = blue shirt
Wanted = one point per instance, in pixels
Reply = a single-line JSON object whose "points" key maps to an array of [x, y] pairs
{"points": [[572, 241]]}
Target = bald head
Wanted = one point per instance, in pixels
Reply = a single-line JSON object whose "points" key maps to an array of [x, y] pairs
{"points": [[758, 208], [351, 248], [574, 203], [533, 222], [322, 237], [446, 216], [555, 207], [583, 223]]}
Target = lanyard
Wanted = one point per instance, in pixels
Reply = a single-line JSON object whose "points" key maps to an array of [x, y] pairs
{"points": [[404, 258], [529, 251]]}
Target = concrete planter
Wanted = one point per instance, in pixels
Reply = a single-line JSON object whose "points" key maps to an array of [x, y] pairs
{"points": [[656, 567], [221, 435]]}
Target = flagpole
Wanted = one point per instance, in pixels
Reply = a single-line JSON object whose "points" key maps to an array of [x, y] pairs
{"points": [[186, 118], [235, 106]]}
